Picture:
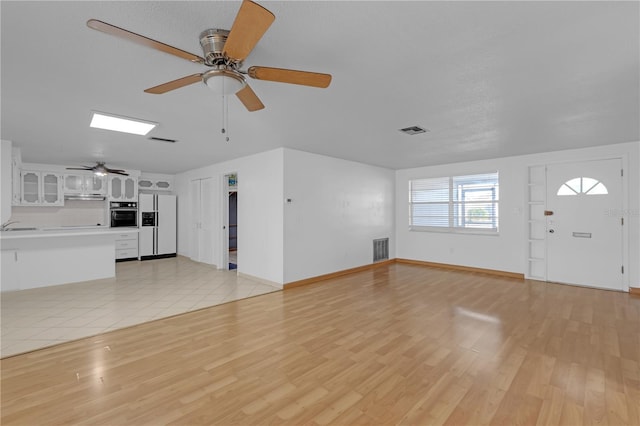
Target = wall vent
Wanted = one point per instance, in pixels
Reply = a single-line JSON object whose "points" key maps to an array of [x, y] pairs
{"points": [[153, 138], [380, 249], [414, 130]]}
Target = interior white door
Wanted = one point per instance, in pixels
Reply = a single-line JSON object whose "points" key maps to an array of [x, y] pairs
{"points": [[584, 227], [201, 246], [194, 208], [207, 230], [167, 217]]}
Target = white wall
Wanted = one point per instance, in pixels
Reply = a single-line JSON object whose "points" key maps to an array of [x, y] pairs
{"points": [[260, 212], [506, 252], [337, 209]]}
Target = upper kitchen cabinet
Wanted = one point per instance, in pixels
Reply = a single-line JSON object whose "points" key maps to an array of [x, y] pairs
{"points": [[155, 182], [123, 188], [41, 188], [5, 181], [84, 184], [16, 166]]}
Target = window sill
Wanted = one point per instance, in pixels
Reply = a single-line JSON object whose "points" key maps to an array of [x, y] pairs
{"points": [[455, 231]]}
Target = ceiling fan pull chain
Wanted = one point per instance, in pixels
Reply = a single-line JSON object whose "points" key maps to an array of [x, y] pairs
{"points": [[225, 117]]}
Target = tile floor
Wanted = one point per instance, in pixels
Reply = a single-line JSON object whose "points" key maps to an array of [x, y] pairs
{"points": [[140, 292]]}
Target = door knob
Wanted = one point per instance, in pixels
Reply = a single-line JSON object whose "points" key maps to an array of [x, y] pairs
{"points": [[551, 231]]}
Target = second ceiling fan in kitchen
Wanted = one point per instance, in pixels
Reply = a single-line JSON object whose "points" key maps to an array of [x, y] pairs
{"points": [[100, 169], [224, 52]]}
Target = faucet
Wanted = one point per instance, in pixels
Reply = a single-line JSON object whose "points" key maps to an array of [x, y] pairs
{"points": [[5, 225]]}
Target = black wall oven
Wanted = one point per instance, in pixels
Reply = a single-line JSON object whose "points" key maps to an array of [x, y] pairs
{"points": [[124, 214]]}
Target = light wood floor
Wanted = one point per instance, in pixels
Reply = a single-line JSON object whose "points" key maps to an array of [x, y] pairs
{"points": [[400, 344]]}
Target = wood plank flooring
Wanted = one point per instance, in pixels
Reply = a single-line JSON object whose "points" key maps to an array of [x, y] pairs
{"points": [[400, 344]]}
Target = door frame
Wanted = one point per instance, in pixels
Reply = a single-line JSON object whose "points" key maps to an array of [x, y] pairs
{"points": [[224, 219], [624, 161]]}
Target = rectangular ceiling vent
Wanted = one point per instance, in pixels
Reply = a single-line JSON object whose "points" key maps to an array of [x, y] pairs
{"points": [[153, 138], [414, 130]]}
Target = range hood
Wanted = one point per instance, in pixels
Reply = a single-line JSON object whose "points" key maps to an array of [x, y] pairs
{"points": [[85, 197]]}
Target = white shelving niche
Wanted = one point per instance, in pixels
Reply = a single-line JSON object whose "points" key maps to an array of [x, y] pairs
{"points": [[536, 224]]}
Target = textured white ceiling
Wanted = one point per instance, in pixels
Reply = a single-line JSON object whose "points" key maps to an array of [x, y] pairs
{"points": [[489, 79]]}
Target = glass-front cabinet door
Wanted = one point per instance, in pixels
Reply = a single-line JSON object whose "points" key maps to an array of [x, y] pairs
{"points": [[73, 184], [145, 183], [130, 189], [115, 188], [30, 187], [95, 185], [51, 189]]}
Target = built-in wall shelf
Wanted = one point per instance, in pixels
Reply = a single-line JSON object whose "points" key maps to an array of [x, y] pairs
{"points": [[536, 223]]}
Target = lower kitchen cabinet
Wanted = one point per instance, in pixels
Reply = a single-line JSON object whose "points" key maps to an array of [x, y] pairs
{"points": [[10, 270], [127, 246]]}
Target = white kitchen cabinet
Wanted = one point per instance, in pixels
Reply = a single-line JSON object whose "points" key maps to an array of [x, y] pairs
{"points": [[84, 184], [123, 188], [153, 182], [5, 182], [95, 185], [126, 246], [10, 270], [41, 188], [16, 166]]}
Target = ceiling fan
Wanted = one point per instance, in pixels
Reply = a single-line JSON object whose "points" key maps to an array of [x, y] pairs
{"points": [[100, 169], [224, 52]]}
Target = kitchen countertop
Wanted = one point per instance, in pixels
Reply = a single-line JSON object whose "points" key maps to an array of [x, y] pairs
{"points": [[71, 231]]}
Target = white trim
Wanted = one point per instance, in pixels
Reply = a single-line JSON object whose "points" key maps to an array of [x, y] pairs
{"points": [[261, 280]]}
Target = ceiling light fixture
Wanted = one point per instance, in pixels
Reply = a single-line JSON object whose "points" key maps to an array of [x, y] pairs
{"points": [[100, 170], [224, 82], [101, 120]]}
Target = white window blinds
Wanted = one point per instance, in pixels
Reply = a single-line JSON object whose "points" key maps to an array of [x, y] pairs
{"points": [[453, 203]]}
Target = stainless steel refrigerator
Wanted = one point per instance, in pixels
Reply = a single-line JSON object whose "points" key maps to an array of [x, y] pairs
{"points": [[158, 226]]}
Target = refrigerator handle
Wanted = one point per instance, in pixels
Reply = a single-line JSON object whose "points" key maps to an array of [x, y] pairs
{"points": [[153, 246]]}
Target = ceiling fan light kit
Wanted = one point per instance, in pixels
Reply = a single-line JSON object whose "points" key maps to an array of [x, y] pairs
{"points": [[224, 82], [224, 52]]}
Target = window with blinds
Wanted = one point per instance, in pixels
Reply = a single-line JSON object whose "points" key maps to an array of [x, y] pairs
{"points": [[455, 203]]}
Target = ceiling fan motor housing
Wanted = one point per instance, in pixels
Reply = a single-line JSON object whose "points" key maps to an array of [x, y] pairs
{"points": [[212, 42]]}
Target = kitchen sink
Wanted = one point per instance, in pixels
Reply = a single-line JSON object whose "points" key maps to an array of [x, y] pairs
{"points": [[19, 229]]}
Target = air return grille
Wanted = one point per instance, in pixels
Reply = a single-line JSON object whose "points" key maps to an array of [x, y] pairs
{"points": [[154, 138], [413, 130], [380, 249]]}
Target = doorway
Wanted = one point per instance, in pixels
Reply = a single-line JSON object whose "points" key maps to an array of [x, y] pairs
{"points": [[231, 210], [584, 223]]}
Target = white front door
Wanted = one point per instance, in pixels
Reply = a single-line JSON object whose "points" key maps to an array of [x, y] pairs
{"points": [[584, 228]]}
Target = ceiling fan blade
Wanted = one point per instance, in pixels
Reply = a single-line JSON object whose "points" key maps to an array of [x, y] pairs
{"points": [[175, 84], [281, 75], [80, 168], [249, 99], [248, 28], [116, 172], [145, 41]]}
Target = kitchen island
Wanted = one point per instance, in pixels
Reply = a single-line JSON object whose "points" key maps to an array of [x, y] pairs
{"points": [[52, 256]]}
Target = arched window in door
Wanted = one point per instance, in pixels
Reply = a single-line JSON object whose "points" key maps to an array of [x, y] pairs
{"points": [[582, 186]]}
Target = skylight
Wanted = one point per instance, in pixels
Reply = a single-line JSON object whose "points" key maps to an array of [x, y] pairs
{"points": [[101, 120]]}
